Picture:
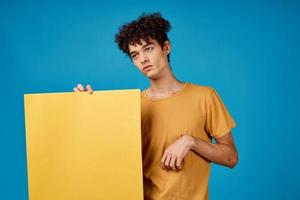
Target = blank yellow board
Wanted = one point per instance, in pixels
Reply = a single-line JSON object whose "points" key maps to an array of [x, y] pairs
{"points": [[84, 147]]}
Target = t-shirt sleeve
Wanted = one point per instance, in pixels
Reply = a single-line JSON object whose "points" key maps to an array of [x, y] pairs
{"points": [[218, 120]]}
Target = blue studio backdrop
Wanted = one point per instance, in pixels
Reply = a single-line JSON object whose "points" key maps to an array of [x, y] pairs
{"points": [[248, 51]]}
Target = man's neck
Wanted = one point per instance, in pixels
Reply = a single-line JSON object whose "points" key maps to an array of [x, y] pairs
{"points": [[164, 86]]}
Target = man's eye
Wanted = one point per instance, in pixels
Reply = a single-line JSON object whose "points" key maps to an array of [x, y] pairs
{"points": [[133, 56], [149, 48]]}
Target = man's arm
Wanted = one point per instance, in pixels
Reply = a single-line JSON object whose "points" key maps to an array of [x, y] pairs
{"points": [[223, 153]]}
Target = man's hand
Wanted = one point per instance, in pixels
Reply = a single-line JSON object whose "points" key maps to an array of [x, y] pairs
{"points": [[80, 88], [175, 153]]}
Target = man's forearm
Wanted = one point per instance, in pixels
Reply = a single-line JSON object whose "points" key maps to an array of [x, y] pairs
{"points": [[223, 154]]}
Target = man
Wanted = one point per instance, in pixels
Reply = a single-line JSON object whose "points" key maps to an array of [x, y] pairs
{"points": [[179, 119]]}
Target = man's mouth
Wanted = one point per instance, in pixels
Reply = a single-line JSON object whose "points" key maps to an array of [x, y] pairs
{"points": [[146, 67]]}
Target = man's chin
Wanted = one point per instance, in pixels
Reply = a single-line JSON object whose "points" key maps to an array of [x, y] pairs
{"points": [[151, 76]]}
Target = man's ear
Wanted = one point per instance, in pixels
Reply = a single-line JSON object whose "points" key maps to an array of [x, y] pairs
{"points": [[167, 47]]}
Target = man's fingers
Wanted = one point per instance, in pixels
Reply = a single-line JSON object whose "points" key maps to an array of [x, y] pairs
{"points": [[163, 166], [178, 164], [167, 162], [75, 89], [80, 87], [162, 161], [172, 163], [89, 89]]}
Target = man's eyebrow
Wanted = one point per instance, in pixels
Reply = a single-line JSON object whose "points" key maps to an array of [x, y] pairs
{"points": [[147, 44], [144, 46]]}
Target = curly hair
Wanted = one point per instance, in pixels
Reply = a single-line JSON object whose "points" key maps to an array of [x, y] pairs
{"points": [[146, 26]]}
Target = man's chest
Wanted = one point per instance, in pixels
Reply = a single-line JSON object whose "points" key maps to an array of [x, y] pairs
{"points": [[167, 122]]}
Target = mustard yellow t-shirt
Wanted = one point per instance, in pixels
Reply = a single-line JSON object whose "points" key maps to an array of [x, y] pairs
{"points": [[195, 110]]}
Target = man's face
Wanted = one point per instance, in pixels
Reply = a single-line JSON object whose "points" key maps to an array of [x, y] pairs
{"points": [[150, 58]]}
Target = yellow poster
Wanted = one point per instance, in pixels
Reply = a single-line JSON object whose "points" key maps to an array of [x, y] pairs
{"points": [[84, 146]]}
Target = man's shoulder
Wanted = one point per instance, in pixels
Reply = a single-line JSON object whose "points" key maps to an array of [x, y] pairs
{"points": [[202, 89]]}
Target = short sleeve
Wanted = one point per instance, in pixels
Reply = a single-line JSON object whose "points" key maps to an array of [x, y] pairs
{"points": [[218, 120]]}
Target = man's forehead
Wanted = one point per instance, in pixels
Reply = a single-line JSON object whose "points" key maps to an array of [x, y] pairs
{"points": [[143, 42]]}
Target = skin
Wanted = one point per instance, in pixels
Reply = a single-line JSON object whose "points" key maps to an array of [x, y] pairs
{"points": [[162, 84]]}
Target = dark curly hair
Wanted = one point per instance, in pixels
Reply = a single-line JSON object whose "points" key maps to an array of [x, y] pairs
{"points": [[146, 26]]}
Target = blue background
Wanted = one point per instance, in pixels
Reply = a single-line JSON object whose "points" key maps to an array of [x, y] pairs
{"points": [[249, 52]]}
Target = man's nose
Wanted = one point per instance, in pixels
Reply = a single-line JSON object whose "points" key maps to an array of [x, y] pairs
{"points": [[144, 59]]}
